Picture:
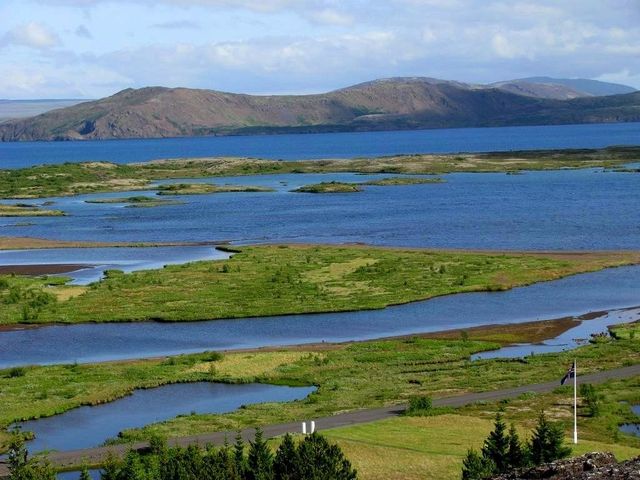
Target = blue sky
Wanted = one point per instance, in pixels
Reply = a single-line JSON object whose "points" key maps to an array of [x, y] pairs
{"points": [[94, 48]]}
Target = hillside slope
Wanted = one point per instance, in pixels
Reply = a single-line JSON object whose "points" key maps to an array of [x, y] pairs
{"points": [[401, 103]]}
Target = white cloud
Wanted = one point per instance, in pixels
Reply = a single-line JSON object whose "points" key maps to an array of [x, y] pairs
{"points": [[32, 34]]}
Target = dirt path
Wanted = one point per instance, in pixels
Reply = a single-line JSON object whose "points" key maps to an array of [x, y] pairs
{"points": [[96, 455]]}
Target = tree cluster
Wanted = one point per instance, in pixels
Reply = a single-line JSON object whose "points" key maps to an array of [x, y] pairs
{"points": [[314, 458], [503, 450]]}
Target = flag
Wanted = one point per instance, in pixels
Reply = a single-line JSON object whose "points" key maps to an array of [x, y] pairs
{"points": [[570, 374]]}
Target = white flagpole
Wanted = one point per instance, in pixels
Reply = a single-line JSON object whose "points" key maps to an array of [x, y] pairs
{"points": [[575, 402]]}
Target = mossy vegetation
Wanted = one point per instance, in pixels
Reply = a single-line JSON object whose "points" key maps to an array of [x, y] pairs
{"points": [[281, 279], [345, 187], [91, 177]]}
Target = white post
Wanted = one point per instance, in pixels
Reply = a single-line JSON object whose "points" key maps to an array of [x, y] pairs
{"points": [[313, 426], [304, 428], [575, 402]]}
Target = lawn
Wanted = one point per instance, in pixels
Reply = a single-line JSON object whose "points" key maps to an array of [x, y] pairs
{"points": [[281, 279]]}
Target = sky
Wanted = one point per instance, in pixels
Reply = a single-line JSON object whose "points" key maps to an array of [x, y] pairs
{"points": [[95, 48]]}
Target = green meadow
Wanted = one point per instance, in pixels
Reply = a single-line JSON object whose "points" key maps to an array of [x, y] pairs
{"points": [[281, 279]]}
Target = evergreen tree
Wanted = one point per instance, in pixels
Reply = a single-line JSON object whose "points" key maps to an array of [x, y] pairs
{"points": [[496, 446], [84, 473], [260, 460], [547, 443], [110, 468], [238, 456], [515, 453], [319, 460], [23, 468], [476, 466], [286, 465]]}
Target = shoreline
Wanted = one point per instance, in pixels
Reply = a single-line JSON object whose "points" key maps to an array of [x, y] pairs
{"points": [[553, 326]]}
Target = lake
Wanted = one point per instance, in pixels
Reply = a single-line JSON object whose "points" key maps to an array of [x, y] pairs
{"points": [[605, 290], [554, 210], [86, 427], [325, 145]]}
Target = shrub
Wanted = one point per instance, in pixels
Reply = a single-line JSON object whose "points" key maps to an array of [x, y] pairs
{"points": [[420, 405]]}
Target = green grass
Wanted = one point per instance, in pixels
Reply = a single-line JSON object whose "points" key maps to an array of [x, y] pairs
{"points": [[81, 178], [361, 375], [626, 330], [276, 280]]}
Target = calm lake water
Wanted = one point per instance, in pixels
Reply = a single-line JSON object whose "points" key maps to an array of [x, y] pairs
{"points": [[325, 145], [86, 427], [608, 289], [568, 340], [559, 210]]}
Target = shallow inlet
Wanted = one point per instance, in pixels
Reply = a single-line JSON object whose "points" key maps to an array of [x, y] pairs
{"points": [[97, 260], [87, 427], [609, 289], [568, 340]]}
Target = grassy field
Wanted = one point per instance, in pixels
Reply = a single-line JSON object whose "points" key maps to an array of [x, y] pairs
{"points": [[354, 376], [79, 178], [281, 279]]}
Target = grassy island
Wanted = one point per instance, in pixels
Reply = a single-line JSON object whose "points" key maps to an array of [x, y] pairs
{"points": [[205, 188], [344, 187], [281, 279], [393, 181], [136, 202], [329, 187], [24, 210], [92, 177]]}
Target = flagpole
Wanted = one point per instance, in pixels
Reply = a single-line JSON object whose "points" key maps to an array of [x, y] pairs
{"points": [[575, 402]]}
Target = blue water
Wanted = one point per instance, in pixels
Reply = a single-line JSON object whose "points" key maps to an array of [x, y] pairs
{"points": [[557, 210], [608, 289], [87, 427], [572, 338], [325, 145], [98, 260], [632, 428]]}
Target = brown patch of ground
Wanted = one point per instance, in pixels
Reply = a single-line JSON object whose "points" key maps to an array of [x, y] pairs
{"points": [[45, 269]]}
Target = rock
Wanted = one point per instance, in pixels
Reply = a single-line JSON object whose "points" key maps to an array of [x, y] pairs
{"points": [[590, 466]]}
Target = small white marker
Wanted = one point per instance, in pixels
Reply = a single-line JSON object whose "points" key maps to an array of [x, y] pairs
{"points": [[313, 426], [304, 428]]}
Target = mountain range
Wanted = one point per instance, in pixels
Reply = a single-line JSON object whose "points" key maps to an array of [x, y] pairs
{"points": [[385, 104]]}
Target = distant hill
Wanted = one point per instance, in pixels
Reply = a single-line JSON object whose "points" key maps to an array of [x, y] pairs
{"points": [[585, 85], [388, 104], [562, 88], [12, 109]]}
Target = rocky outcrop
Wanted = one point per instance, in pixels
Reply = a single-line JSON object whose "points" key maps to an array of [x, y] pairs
{"points": [[591, 466]]}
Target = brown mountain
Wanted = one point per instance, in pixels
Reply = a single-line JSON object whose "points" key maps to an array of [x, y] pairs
{"points": [[401, 103]]}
